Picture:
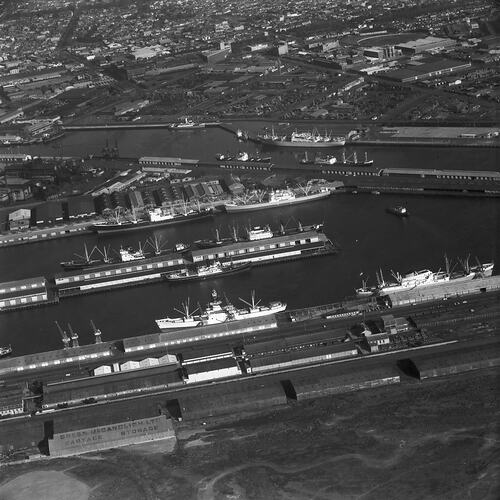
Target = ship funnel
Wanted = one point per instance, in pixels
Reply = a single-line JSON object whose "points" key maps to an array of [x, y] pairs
{"points": [[97, 333], [74, 337]]}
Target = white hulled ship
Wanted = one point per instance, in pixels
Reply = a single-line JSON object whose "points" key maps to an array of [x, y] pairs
{"points": [[276, 198], [308, 139], [216, 313], [425, 277]]}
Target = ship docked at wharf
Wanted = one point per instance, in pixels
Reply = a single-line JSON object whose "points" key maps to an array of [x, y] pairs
{"points": [[90, 260], [260, 200], [217, 312], [425, 277], [210, 271], [307, 139], [260, 245], [347, 161], [242, 156], [155, 217]]}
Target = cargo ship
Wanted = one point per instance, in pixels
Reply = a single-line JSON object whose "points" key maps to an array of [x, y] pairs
{"points": [[124, 255], [82, 261], [333, 160], [425, 277], [275, 198], [216, 313], [210, 271], [187, 123], [156, 217], [308, 139], [242, 156]]}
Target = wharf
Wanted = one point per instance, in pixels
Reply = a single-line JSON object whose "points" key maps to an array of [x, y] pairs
{"points": [[44, 234]]}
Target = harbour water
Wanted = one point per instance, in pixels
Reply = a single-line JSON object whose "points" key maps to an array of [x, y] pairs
{"points": [[369, 239]]}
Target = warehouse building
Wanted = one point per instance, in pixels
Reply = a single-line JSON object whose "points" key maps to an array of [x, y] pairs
{"points": [[341, 378], [20, 219], [426, 44], [482, 354], [426, 71], [227, 399], [113, 435], [80, 207], [49, 213]]}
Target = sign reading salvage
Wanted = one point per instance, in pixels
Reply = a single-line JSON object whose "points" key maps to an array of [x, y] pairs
{"points": [[118, 434]]}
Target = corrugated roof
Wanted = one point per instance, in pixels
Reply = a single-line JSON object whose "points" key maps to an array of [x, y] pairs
{"points": [[257, 243]]}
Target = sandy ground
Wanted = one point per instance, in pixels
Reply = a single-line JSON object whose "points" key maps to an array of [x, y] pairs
{"points": [[433, 440], [44, 485]]}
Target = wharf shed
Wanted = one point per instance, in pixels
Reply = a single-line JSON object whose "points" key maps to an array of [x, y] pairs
{"points": [[440, 364], [276, 248], [341, 378], [186, 336], [14, 294], [230, 398], [211, 370], [92, 355], [300, 357], [116, 275], [445, 291]]}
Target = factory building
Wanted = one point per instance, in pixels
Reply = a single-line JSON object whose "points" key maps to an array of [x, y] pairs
{"points": [[425, 44], [427, 70], [386, 52], [216, 56]]}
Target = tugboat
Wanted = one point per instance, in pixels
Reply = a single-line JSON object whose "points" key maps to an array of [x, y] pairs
{"points": [[400, 210], [5, 351]]}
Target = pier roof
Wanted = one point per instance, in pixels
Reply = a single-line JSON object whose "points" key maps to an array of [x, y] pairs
{"points": [[240, 245]]}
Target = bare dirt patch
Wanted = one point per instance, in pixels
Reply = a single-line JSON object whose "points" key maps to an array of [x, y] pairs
{"points": [[44, 485]]}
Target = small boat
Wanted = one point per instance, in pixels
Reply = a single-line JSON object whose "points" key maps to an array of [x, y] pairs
{"points": [[399, 210], [5, 351], [365, 290], [210, 271]]}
